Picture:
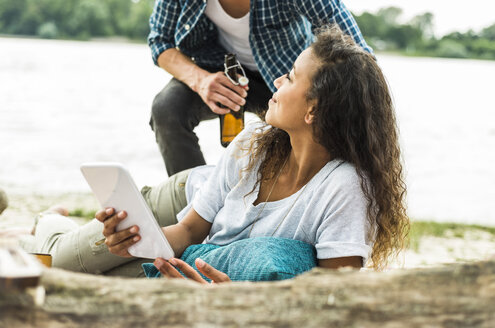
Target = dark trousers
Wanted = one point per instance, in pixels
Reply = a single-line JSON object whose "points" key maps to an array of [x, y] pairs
{"points": [[177, 110]]}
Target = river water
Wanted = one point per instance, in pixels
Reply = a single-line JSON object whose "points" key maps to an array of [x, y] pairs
{"points": [[63, 103]]}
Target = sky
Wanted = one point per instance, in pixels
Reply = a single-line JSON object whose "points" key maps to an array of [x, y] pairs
{"points": [[449, 16]]}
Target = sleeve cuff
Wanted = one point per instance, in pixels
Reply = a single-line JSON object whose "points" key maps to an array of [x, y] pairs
{"points": [[204, 211], [158, 48], [328, 250]]}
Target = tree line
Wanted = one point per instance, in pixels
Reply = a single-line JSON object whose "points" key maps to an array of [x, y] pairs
{"points": [[86, 19], [383, 31], [76, 19]]}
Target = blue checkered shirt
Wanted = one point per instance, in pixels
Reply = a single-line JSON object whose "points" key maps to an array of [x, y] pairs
{"points": [[279, 31]]}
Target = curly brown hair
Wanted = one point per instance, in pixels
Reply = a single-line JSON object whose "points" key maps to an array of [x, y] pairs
{"points": [[354, 120]]}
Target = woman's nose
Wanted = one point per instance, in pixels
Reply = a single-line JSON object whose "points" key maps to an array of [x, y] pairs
{"points": [[278, 81]]}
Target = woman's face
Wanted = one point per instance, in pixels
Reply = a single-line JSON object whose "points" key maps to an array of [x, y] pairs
{"points": [[288, 106]]}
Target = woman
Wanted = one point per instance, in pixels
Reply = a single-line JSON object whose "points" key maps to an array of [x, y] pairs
{"points": [[325, 169]]}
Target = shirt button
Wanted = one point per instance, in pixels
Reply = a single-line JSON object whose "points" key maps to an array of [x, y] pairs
{"points": [[177, 48], [187, 27], [193, 59]]}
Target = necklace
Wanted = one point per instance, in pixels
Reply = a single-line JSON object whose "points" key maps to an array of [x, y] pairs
{"points": [[266, 200]]}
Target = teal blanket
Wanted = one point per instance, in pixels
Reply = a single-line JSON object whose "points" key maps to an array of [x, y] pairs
{"points": [[252, 259]]}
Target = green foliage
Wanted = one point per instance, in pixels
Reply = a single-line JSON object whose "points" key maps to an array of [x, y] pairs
{"points": [[76, 19], [390, 15], [383, 31], [47, 30], [83, 213], [373, 28], [404, 35], [452, 49], [489, 33], [85, 19], [424, 23], [421, 229], [138, 19], [483, 48]]}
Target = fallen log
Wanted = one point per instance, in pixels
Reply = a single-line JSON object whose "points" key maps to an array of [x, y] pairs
{"points": [[455, 295], [4, 202]]}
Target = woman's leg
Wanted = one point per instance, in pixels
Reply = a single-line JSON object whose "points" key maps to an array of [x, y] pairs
{"points": [[81, 248], [74, 247], [168, 198]]}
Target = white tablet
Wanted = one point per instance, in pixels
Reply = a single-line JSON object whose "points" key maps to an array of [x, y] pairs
{"points": [[114, 187]]}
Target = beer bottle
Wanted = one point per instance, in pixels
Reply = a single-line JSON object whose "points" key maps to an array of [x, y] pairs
{"points": [[232, 123]]}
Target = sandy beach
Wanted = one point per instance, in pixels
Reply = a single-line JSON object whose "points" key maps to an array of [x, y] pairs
{"points": [[473, 244]]}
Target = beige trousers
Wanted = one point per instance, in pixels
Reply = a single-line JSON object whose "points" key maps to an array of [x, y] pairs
{"points": [[77, 248]]}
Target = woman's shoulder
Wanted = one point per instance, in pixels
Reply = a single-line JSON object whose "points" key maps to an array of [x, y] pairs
{"points": [[343, 176], [341, 189]]}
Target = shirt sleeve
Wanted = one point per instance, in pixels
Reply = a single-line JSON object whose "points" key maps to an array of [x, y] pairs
{"points": [[321, 12], [344, 230], [210, 198], [163, 21]]}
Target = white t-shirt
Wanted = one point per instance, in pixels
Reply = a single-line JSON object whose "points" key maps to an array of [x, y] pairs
{"points": [[329, 212], [233, 33]]}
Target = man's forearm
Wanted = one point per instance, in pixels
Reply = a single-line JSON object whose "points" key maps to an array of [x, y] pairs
{"points": [[181, 67]]}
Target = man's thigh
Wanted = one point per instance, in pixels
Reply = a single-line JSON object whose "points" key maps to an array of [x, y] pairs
{"points": [[176, 104]]}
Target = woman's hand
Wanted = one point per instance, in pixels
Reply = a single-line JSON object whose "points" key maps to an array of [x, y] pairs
{"points": [[117, 242], [168, 269]]}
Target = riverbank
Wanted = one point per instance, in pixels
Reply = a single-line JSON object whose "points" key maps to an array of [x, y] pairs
{"points": [[143, 41], [431, 243], [434, 127]]}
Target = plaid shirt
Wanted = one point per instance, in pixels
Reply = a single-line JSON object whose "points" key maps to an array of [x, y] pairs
{"points": [[279, 31]]}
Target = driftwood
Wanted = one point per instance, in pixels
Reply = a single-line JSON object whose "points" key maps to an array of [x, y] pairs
{"points": [[4, 202], [457, 295]]}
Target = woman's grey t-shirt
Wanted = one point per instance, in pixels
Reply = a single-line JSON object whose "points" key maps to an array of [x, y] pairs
{"points": [[329, 212]]}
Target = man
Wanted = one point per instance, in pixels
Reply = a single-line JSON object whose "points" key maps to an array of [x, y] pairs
{"points": [[189, 39]]}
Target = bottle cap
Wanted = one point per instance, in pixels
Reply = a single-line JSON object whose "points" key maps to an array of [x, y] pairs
{"points": [[243, 81]]}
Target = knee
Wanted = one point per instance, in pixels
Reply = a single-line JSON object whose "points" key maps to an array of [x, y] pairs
{"points": [[162, 114], [169, 108]]}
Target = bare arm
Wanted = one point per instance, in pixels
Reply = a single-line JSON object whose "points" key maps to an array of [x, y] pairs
{"points": [[182, 68], [335, 263], [193, 229], [213, 88]]}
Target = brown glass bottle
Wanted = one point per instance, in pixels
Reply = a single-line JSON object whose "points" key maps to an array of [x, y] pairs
{"points": [[231, 124]]}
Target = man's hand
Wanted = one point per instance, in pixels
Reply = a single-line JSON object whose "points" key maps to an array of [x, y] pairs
{"points": [[168, 269], [216, 88], [117, 242], [213, 88]]}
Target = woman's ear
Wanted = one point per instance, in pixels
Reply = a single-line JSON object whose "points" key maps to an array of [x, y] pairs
{"points": [[309, 117]]}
